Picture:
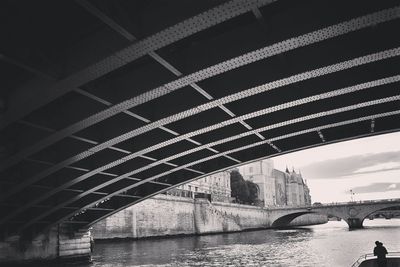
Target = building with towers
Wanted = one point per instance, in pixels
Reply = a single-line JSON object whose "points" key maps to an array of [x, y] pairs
{"points": [[277, 188]]}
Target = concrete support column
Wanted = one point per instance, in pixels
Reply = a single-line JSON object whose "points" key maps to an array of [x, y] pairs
{"points": [[58, 244], [355, 223], [73, 245]]}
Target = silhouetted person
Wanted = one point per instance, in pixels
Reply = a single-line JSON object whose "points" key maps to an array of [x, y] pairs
{"points": [[380, 251], [91, 244]]}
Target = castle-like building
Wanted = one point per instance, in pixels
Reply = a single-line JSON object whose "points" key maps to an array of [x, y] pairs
{"points": [[277, 188]]}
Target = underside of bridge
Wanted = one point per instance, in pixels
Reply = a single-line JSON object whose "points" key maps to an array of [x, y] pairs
{"points": [[106, 103]]}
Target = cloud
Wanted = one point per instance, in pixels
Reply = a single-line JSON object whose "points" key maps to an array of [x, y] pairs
{"points": [[376, 188], [392, 186], [354, 165], [379, 167]]}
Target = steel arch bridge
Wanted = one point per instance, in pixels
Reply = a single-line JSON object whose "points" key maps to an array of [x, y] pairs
{"points": [[104, 104]]}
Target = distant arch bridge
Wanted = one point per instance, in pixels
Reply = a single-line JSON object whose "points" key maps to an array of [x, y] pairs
{"points": [[106, 103], [353, 213]]}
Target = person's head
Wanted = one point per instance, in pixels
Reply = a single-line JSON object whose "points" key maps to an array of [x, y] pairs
{"points": [[378, 243]]}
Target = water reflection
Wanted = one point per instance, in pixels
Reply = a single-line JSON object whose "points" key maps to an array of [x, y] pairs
{"points": [[331, 244]]}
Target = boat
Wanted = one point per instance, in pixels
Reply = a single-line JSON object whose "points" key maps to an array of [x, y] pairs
{"points": [[369, 260]]}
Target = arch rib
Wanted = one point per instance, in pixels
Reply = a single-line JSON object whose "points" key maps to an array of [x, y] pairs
{"points": [[249, 92], [251, 57], [207, 158], [188, 27], [277, 138]]}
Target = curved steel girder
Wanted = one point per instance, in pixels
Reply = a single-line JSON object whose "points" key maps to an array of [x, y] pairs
{"points": [[287, 105], [234, 97], [134, 51], [123, 32], [237, 165], [113, 180], [321, 114], [251, 57], [315, 129]]}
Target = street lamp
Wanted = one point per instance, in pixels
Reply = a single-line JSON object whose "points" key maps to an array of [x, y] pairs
{"points": [[351, 195]]}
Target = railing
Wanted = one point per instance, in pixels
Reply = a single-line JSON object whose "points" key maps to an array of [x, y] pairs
{"points": [[371, 256], [179, 193], [363, 202]]}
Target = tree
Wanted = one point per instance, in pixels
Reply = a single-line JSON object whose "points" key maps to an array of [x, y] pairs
{"points": [[244, 191], [253, 191]]}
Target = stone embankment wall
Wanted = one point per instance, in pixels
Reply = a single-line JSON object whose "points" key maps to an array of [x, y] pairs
{"points": [[158, 216], [169, 215]]}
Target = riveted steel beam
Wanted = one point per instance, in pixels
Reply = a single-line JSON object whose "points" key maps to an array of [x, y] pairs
{"points": [[319, 128], [86, 140], [129, 113], [246, 93], [251, 57], [188, 27], [252, 91], [129, 36], [103, 173], [376, 116], [161, 191]]}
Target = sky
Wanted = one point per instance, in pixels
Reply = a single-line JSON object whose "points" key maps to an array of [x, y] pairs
{"points": [[370, 167]]}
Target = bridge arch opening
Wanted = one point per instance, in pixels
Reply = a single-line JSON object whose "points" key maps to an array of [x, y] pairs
{"points": [[384, 212], [284, 221], [356, 221]]}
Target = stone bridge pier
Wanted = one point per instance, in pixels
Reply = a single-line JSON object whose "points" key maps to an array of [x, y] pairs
{"points": [[353, 215], [61, 243], [355, 223]]}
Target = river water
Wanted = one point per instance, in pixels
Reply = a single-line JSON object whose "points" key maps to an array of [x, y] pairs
{"points": [[331, 245]]}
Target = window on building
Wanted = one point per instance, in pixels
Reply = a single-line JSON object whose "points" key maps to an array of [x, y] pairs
{"points": [[250, 169], [190, 188], [195, 189], [205, 179]]}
